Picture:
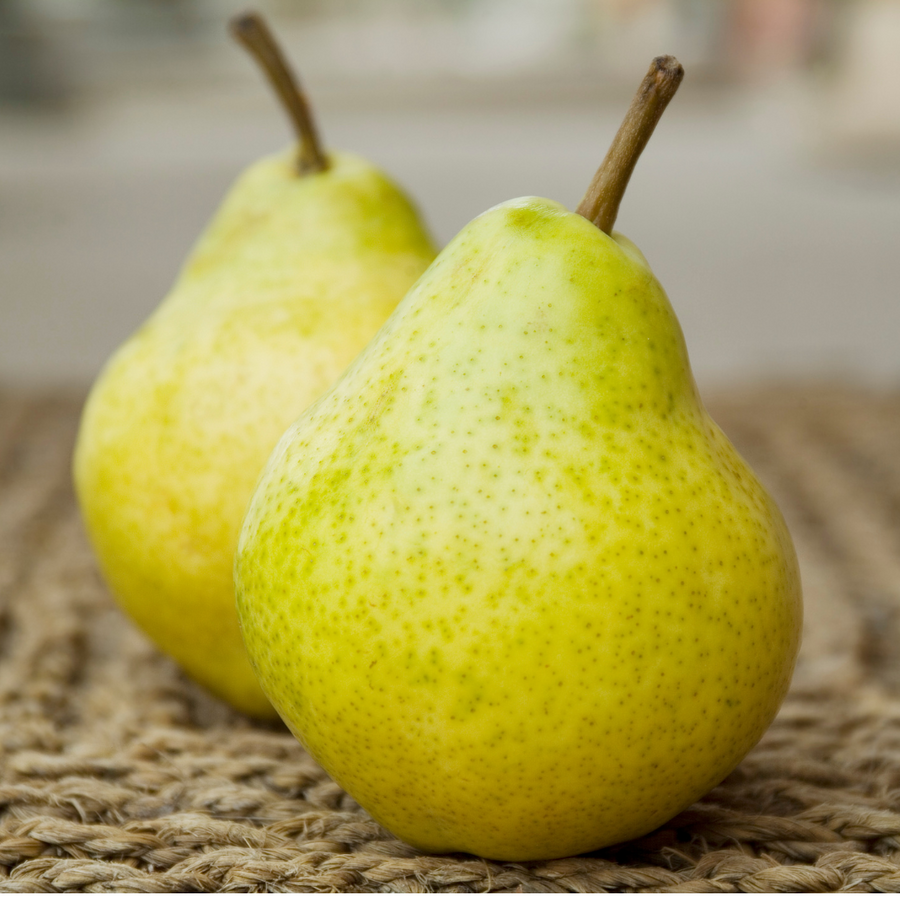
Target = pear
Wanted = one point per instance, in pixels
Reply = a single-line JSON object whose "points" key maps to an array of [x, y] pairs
{"points": [[306, 258], [507, 581]]}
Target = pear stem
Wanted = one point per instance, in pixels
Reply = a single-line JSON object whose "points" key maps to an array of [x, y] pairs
{"points": [[250, 30], [601, 202]]}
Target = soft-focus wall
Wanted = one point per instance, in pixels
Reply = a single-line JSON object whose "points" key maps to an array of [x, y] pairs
{"points": [[768, 202]]}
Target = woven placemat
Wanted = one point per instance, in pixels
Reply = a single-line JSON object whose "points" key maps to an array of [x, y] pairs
{"points": [[116, 773]]}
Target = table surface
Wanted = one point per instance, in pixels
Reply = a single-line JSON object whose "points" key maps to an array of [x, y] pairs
{"points": [[116, 773]]}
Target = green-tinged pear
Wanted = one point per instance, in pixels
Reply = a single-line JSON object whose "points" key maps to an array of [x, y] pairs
{"points": [[296, 272], [507, 581]]}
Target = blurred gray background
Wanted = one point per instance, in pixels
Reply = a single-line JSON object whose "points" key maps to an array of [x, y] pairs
{"points": [[768, 202]]}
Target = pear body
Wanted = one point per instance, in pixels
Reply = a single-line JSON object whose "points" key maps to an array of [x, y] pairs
{"points": [[292, 278], [507, 581]]}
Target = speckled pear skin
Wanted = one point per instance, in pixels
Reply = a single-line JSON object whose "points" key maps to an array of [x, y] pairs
{"points": [[507, 581], [292, 278]]}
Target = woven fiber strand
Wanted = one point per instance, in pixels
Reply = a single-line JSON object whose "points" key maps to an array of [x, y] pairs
{"points": [[117, 774]]}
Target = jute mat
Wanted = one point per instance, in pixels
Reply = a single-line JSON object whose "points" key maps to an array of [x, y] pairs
{"points": [[118, 774]]}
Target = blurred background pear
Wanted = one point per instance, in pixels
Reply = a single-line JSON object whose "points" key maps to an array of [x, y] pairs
{"points": [[303, 262]]}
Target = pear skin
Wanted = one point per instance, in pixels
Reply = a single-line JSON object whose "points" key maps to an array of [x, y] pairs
{"points": [[507, 581], [292, 278]]}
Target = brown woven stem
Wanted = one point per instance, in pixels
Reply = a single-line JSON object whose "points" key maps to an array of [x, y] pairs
{"points": [[251, 31], [601, 202]]}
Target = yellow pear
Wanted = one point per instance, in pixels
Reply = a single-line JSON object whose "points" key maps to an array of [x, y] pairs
{"points": [[507, 581], [306, 258]]}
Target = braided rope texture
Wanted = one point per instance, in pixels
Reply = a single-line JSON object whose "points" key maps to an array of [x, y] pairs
{"points": [[117, 774]]}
